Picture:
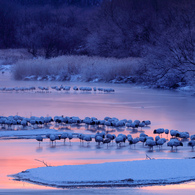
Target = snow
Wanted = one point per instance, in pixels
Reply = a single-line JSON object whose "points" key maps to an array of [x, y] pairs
{"points": [[127, 173], [186, 88], [5, 68]]}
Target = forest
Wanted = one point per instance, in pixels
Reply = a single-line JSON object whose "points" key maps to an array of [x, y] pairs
{"points": [[160, 32]]}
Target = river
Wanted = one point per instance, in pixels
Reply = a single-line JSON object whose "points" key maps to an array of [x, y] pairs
{"points": [[164, 108]]}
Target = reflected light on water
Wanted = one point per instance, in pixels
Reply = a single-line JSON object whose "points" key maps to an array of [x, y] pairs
{"points": [[183, 186], [19, 155], [165, 109]]}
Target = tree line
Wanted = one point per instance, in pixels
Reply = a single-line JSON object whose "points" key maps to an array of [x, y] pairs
{"points": [[160, 31]]}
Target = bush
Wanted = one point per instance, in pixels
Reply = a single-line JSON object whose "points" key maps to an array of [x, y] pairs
{"points": [[89, 68]]}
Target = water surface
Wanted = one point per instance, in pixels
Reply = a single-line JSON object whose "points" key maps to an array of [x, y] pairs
{"points": [[166, 109]]}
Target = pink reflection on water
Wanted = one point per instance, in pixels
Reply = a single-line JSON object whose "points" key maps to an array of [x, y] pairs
{"points": [[19, 155], [165, 109], [14, 165], [184, 188]]}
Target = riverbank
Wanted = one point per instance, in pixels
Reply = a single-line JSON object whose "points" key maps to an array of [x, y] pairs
{"points": [[91, 69]]}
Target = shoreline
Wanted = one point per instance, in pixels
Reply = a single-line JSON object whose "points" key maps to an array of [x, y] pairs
{"points": [[180, 87], [112, 185]]}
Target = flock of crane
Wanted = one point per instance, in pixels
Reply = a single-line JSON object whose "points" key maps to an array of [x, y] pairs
{"points": [[18, 122], [11, 122], [56, 88], [103, 137]]}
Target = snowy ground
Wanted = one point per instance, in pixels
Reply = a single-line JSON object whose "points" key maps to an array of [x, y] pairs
{"points": [[5, 68], [129, 173]]}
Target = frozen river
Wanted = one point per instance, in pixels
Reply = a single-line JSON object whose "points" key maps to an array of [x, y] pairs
{"points": [[166, 109]]}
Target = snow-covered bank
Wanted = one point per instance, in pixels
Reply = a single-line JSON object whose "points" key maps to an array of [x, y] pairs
{"points": [[183, 87], [5, 68], [92, 69], [129, 173], [80, 78]]}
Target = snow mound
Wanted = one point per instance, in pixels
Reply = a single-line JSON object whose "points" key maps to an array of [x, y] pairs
{"points": [[128, 173]]}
